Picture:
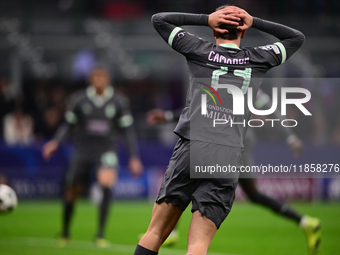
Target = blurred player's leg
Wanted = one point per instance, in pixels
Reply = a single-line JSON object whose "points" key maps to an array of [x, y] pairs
{"points": [[71, 194], [250, 188], [164, 218], [107, 177], [76, 176], [311, 226], [248, 184], [201, 232]]}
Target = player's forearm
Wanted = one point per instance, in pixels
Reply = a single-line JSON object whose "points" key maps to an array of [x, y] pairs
{"points": [[62, 132], [166, 22], [131, 141], [291, 38]]}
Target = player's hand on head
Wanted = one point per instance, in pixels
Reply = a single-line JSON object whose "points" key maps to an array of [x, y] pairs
{"points": [[136, 166], [221, 17], [155, 116], [49, 148], [242, 14], [296, 146]]}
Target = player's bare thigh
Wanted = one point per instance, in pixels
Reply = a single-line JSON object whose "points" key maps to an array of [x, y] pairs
{"points": [[107, 177]]}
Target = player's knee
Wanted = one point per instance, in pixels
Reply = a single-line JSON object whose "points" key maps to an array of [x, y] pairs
{"points": [[107, 177], [71, 195], [70, 198]]}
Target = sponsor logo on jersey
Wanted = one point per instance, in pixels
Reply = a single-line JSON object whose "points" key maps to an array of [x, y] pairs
{"points": [[98, 127], [181, 34], [271, 47]]}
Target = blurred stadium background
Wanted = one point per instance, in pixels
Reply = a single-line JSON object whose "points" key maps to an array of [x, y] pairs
{"points": [[47, 50]]}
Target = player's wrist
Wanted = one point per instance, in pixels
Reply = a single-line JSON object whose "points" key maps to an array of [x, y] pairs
{"points": [[210, 21], [55, 142], [205, 19], [251, 21]]}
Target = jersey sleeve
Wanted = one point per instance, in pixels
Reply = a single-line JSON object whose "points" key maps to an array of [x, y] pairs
{"points": [[72, 116], [125, 118], [185, 42], [72, 113], [271, 54], [277, 53], [168, 26], [125, 124]]}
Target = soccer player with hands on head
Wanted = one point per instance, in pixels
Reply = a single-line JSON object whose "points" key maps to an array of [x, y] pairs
{"points": [[223, 62]]}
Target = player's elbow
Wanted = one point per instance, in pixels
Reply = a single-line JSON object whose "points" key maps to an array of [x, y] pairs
{"points": [[300, 38], [156, 19], [296, 41]]}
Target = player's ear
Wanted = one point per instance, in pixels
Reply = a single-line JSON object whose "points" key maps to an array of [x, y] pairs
{"points": [[243, 34]]}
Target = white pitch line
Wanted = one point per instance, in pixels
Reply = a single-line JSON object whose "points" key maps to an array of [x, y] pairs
{"points": [[84, 245]]}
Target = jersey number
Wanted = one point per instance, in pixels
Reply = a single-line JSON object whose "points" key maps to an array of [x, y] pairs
{"points": [[244, 74]]}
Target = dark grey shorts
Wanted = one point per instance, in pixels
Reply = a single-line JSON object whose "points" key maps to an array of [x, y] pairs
{"points": [[81, 166], [211, 197]]}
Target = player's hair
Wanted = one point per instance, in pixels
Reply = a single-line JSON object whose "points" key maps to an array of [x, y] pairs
{"points": [[233, 31], [100, 66]]}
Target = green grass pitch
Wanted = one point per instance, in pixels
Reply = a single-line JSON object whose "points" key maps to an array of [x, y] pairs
{"points": [[248, 230]]}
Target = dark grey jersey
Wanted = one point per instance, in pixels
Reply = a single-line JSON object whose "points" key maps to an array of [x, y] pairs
{"points": [[211, 65], [97, 120]]}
